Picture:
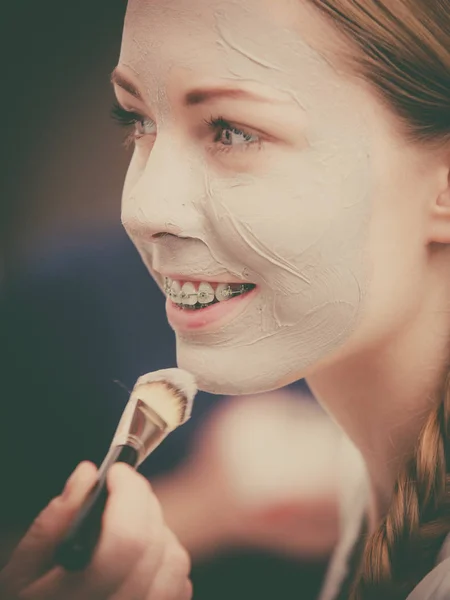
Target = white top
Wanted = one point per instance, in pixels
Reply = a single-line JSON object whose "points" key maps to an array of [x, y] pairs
{"points": [[353, 500]]}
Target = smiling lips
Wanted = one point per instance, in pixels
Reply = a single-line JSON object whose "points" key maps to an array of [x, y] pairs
{"points": [[202, 294]]}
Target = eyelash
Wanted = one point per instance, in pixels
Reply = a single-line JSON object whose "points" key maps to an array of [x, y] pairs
{"points": [[126, 118], [218, 125]]}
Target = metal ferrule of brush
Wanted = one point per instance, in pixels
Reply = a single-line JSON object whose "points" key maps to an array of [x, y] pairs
{"points": [[147, 430]]}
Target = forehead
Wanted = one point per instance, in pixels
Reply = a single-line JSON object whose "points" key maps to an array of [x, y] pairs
{"points": [[273, 42]]}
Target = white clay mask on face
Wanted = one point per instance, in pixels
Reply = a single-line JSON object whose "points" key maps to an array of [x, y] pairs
{"points": [[280, 200]]}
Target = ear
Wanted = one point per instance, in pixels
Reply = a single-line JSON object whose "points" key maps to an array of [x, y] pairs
{"points": [[440, 210]]}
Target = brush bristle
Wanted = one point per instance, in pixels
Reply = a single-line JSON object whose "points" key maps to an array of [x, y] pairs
{"points": [[169, 392]]}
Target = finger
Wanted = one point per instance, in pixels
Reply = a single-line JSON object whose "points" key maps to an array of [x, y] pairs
{"points": [[34, 554], [140, 579], [132, 527], [138, 584], [172, 579], [188, 591]]}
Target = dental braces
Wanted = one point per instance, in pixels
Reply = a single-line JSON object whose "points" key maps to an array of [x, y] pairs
{"points": [[228, 292]]}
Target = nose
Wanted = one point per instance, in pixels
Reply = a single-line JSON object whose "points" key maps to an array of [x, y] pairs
{"points": [[165, 195]]}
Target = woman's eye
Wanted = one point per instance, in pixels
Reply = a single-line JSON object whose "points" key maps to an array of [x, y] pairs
{"points": [[228, 135], [141, 125], [144, 127]]}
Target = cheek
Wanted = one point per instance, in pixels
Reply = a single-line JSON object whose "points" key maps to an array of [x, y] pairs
{"points": [[302, 233], [303, 217]]}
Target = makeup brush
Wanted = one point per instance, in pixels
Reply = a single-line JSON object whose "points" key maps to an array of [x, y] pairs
{"points": [[159, 403]]}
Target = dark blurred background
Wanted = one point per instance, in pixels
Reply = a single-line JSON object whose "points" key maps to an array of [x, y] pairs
{"points": [[62, 161], [80, 319]]}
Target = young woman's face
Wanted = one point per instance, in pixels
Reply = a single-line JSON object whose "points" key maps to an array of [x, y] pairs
{"points": [[257, 161]]}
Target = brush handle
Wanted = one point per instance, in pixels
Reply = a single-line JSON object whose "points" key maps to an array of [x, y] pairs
{"points": [[75, 551]]}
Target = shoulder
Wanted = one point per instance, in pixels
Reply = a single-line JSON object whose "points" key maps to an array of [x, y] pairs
{"points": [[436, 585]]}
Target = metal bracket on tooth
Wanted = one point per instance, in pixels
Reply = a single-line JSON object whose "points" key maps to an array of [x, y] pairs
{"points": [[232, 292]]}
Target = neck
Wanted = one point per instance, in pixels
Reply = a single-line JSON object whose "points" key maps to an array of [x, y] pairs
{"points": [[383, 397]]}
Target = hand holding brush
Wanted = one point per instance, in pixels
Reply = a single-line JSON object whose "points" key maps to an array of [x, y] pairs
{"points": [[107, 528]]}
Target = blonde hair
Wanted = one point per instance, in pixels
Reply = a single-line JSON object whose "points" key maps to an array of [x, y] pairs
{"points": [[402, 47]]}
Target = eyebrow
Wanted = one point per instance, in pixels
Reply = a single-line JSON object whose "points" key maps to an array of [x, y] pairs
{"points": [[199, 95], [118, 79], [203, 95]]}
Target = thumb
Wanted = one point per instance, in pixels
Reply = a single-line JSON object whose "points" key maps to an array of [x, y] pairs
{"points": [[34, 554]]}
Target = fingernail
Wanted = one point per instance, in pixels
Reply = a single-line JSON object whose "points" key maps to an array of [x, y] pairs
{"points": [[72, 481]]}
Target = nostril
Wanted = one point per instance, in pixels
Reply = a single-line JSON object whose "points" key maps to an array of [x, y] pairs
{"points": [[162, 234]]}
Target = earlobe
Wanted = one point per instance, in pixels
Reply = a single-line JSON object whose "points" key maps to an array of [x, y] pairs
{"points": [[440, 213]]}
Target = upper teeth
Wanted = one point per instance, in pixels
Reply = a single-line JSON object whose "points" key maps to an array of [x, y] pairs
{"points": [[223, 292], [175, 292], [205, 293], [190, 293]]}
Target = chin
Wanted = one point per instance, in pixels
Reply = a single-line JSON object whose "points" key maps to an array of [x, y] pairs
{"points": [[234, 371]]}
